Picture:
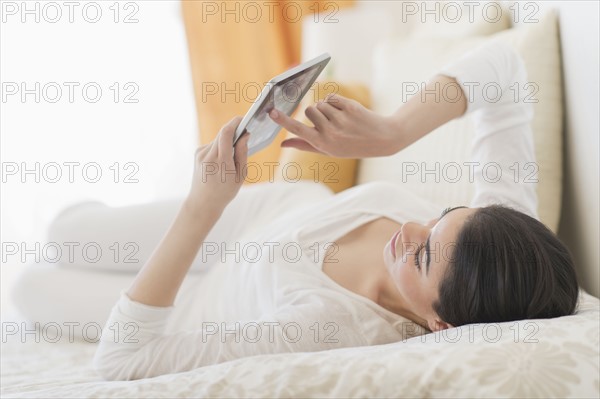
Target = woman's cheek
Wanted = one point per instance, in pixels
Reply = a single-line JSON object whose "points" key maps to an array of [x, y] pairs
{"points": [[408, 281]]}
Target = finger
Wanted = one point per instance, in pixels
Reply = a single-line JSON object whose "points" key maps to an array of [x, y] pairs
{"points": [[338, 101], [241, 155], [316, 117], [308, 133], [225, 139], [300, 145], [328, 110]]}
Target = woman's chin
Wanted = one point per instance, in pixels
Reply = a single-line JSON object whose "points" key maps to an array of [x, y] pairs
{"points": [[389, 261]]}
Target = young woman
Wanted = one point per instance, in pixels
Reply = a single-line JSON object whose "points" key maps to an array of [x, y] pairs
{"points": [[385, 278]]}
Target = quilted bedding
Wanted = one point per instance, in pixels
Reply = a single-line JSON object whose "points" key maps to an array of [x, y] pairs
{"points": [[530, 358]]}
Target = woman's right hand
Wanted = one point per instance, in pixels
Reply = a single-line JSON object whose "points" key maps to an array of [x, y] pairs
{"points": [[345, 129], [342, 128], [219, 169]]}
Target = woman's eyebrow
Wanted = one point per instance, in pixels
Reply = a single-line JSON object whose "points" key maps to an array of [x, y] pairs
{"points": [[427, 247]]}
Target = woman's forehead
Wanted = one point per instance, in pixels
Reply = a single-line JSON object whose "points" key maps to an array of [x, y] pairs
{"points": [[444, 233]]}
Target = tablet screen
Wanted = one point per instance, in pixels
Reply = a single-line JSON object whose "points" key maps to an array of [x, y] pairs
{"points": [[285, 95]]}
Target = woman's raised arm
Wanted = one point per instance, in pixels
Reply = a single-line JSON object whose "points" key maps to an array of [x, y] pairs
{"points": [[346, 129], [505, 169], [490, 79]]}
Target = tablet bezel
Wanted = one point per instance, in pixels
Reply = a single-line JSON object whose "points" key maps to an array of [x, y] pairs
{"points": [[322, 60]]}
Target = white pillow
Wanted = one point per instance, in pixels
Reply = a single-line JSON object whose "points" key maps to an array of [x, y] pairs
{"points": [[417, 59]]}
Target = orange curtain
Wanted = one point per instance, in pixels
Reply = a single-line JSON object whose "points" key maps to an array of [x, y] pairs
{"points": [[235, 47]]}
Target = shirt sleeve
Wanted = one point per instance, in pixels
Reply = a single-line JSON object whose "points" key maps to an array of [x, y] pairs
{"points": [[503, 165], [134, 345]]}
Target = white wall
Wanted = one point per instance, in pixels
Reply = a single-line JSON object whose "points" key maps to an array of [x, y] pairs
{"points": [[157, 134]]}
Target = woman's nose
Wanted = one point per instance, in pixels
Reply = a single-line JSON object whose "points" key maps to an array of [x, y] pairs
{"points": [[414, 233]]}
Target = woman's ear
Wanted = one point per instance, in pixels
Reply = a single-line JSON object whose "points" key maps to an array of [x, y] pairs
{"points": [[437, 325]]}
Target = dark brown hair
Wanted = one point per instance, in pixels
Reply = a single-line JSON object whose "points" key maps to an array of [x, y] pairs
{"points": [[506, 266]]}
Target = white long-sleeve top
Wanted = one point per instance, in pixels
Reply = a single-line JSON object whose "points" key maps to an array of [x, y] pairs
{"points": [[273, 300]]}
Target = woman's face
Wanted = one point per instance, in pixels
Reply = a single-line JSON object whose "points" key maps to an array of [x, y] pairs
{"points": [[417, 257]]}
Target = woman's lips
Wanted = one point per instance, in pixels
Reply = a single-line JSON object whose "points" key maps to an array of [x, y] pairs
{"points": [[393, 243]]}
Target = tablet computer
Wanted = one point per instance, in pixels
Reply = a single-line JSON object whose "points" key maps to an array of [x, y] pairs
{"points": [[284, 92]]}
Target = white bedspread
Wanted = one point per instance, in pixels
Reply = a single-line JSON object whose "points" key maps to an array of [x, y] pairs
{"points": [[486, 361]]}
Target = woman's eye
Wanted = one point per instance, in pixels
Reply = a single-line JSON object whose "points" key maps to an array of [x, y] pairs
{"points": [[417, 253]]}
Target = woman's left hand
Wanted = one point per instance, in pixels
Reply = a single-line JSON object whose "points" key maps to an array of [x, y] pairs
{"points": [[219, 171]]}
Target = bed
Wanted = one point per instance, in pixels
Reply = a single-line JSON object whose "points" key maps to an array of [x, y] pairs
{"points": [[535, 358], [529, 358]]}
